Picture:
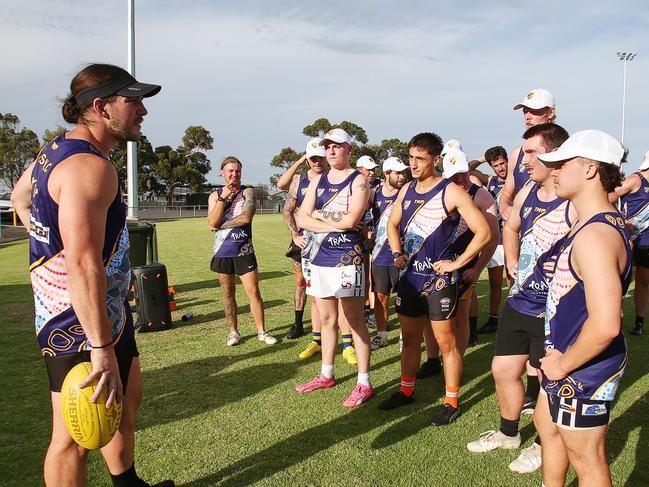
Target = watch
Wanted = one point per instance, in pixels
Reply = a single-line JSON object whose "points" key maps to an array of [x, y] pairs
{"points": [[396, 255]]}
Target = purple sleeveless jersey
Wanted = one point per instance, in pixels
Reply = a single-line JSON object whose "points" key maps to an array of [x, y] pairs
{"points": [[542, 224], [426, 231], [381, 210], [520, 173], [463, 235], [237, 241], [599, 378], [635, 208], [57, 327], [495, 186], [302, 186], [332, 249]]}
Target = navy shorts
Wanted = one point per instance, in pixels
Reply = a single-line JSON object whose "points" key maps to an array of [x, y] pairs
{"points": [[438, 306], [641, 256], [384, 278], [234, 265], [573, 413], [520, 334]]}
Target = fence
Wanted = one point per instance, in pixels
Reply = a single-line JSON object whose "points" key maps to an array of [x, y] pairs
{"points": [[174, 212]]}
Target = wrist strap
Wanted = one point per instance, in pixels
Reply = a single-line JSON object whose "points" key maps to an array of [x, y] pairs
{"points": [[109, 344]]}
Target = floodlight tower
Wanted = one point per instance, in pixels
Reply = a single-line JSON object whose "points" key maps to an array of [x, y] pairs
{"points": [[624, 57]]}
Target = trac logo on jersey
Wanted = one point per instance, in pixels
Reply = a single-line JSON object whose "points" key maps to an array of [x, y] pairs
{"points": [[336, 241], [422, 266], [240, 235]]}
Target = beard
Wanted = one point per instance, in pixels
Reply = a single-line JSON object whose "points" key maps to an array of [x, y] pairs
{"points": [[119, 129]]}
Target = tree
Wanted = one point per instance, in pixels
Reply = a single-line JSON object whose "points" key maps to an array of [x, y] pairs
{"points": [[147, 182], [186, 165], [50, 135], [283, 160], [18, 148]]}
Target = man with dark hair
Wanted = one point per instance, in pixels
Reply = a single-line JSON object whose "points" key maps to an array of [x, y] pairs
{"points": [[69, 200], [585, 350], [634, 193], [496, 157], [421, 227], [539, 219], [229, 213]]}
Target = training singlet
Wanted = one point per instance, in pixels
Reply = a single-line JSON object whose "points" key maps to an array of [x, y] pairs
{"points": [[333, 249], [520, 173], [426, 231], [598, 379], [542, 224], [302, 186], [57, 327], [237, 241], [463, 235], [382, 209], [495, 186], [635, 208]]}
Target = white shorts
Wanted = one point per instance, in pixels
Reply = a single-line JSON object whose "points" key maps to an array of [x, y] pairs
{"points": [[339, 282], [498, 259]]}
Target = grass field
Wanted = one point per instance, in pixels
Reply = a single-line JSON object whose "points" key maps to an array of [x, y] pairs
{"points": [[214, 415]]}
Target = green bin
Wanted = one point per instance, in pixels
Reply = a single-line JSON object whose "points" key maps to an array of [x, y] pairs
{"points": [[144, 243]]}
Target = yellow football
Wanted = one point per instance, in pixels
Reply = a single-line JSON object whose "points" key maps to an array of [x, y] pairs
{"points": [[91, 425]]}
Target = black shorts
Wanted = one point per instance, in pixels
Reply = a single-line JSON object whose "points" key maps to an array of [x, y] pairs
{"points": [[234, 265], [384, 278], [573, 413], [641, 256], [520, 334], [438, 306], [59, 366], [294, 252]]}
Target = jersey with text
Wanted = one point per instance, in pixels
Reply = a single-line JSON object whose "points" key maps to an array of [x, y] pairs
{"points": [[599, 378], [236, 241], [382, 209], [426, 230], [635, 208], [57, 326], [333, 249], [542, 224]]}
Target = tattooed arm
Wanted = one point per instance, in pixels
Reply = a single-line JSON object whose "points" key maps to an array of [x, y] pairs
{"points": [[249, 208], [288, 213], [287, 178]]}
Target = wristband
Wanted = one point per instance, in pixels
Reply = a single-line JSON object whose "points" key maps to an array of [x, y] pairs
{"points": [[109, 344]]}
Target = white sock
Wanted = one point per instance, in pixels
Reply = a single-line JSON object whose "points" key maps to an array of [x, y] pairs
{"points": [[327, 370], [364, 379], [382, 334]]}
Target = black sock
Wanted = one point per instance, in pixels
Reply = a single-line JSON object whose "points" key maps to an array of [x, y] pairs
{"points": [[509, 427], [473, 324], [493, 318], [533, 387], [299, 313], [127, 479], [433, 359], [639, 319], [537, 440]]}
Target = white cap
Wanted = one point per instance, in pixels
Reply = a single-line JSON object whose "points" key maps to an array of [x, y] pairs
{"points": [[393, 164], [535, 99], [455, 162], [645, 162], [591, 144], [451, 144], [367, 162], [339, 136], [313, 148]]}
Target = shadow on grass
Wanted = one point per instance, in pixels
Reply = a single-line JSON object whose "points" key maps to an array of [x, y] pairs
{"points": [[214, 283], [188, 389], [220, 314]]}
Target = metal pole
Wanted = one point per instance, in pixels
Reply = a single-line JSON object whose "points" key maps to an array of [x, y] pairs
{"points": [[623, 101], [131, 147]]}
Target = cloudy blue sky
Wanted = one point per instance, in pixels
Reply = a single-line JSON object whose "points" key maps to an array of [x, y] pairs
{"points": [[255, 72]]}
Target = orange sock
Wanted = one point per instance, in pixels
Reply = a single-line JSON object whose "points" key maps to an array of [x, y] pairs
{"points": [[407, 385], [451, 396]]}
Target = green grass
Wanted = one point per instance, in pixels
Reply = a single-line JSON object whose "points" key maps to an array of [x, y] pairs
{"points": [[214, 415]]}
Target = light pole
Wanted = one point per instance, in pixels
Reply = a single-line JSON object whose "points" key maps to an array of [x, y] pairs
{"points": [[131, 146], [625, 57]]}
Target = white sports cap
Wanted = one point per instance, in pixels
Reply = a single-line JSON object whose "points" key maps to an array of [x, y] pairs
{"points": [[451, 144], [393, 164], [313, 148], [339, 136], [455, 162], [535, 99], [645, 162], [367, 162], [591, 144]]}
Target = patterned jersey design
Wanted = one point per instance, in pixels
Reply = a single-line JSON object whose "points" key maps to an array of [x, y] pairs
{"points": [[635, 208], [237, 241], [599, 378], [382, 209]]}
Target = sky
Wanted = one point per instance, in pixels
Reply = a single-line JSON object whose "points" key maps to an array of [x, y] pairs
{"points": [[254, 72]]}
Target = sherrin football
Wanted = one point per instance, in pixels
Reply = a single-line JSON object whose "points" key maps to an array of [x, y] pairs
{"points": [[91, 425]]}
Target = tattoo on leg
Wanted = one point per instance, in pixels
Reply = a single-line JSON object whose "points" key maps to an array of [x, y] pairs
{"points": [[230, 309]]}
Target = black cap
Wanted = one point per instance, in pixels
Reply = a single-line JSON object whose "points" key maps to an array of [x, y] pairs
{"points": [[122, 85]]}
